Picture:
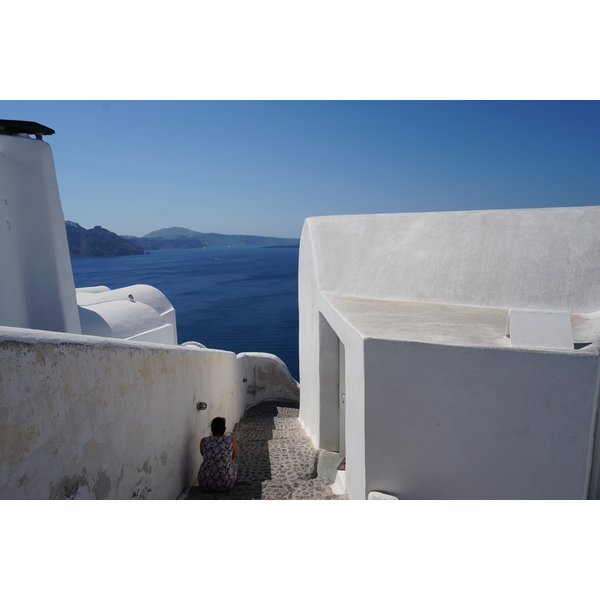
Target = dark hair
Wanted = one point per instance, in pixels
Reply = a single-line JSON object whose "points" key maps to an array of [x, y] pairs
{"points": [[217, 426]]}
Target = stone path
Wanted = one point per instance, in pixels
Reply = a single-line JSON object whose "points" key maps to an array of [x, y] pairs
{"points": [[276, 459]]}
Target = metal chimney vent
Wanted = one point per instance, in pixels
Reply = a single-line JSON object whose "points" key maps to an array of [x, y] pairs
{"points": [[29, 127]]}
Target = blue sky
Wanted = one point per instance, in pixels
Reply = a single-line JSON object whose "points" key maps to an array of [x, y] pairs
{"points": [[262, 167]]}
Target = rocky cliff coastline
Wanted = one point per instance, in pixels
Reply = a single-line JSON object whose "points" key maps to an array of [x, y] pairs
{"points": [[102, 242], [98, 242]]}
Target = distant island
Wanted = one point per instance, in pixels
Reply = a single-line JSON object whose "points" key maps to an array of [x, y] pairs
{"points": [[97, 242], [102, 242], [180, 237]]}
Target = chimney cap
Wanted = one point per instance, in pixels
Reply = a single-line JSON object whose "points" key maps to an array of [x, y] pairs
{"points": [[8, 127]]}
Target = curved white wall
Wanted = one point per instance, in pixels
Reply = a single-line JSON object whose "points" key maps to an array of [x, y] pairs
{"points": [[148, 317], [267, 378], [37, 288]]}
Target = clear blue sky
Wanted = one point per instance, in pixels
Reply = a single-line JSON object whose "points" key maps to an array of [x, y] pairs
{"points": [[262, 167]]}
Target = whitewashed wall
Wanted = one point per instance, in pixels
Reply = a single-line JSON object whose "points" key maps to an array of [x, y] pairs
{"points": [[316, 374], [149, 317], [265, 376], [37, 289], [530, 258], [451, 422], [518, 423], [86, 417]]}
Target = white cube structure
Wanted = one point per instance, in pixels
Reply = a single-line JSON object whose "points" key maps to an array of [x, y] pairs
{"points": [[406, 368]]}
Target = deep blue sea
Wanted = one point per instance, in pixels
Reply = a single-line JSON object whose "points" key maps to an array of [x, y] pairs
{"points": [[242, 299]]}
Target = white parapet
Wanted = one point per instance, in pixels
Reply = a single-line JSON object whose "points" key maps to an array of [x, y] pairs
{"points": [[86, 417]]}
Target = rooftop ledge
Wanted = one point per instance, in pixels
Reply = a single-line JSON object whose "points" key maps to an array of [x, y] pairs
{"points": [[447, 324]]}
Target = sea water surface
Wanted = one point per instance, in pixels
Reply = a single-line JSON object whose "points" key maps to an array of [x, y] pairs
{"points": [[242, 299]]}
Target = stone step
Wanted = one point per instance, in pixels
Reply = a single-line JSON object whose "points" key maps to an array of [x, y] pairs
{"points": [[289, 413], [276, 424], [301, 489], [238, 492], [261, 437], [272, 434], [274, 407], [269, 417]]}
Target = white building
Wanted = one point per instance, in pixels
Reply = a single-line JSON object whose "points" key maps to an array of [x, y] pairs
{"points": [[413, 371], [97, 400], [444, 355]]}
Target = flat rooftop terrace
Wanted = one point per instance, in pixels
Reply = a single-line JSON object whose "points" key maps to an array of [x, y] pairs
{"points": [[448, 324]]}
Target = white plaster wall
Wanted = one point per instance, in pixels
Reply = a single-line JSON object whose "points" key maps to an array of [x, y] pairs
{"points": [[267, 378], [88, 417], [449, 422], [354, 421], [111, 313], [319, 370], [309, 339], [145, 294], [94, 289], [530, 258], [13, 308], [37, 282], [542, 259]]}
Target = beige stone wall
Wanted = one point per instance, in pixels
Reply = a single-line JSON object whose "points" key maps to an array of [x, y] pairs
{"points": [[84, 417]]}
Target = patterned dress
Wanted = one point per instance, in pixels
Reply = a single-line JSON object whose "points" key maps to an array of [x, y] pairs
{"points": [[219, 469]]}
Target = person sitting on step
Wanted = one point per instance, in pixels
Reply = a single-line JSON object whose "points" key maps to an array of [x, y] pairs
{"points": [[218, 471]]}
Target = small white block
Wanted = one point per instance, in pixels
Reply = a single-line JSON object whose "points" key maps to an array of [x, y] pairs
{"points": [[540, 329], [380, 496], [339, 485]]}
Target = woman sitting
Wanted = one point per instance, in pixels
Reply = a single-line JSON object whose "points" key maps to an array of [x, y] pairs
{"points": [[218, 472]]}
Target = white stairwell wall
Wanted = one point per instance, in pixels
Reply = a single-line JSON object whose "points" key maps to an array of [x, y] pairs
{"points": [[88, 417]]}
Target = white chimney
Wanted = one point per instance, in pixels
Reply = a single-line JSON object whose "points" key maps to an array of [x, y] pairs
{"points": [[36, 281]]}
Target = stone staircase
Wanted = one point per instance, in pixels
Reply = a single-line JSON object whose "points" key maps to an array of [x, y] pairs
{"points": [[276, 459]]}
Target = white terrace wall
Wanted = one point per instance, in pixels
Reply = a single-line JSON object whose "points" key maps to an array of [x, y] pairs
{"points": [[530, 258], [87, 417]]}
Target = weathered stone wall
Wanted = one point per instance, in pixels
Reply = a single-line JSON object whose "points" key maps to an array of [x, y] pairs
{"points": [[85, 417]]}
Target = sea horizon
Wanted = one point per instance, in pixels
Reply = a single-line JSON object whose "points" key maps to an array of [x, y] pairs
{"points": [[238, 298]]}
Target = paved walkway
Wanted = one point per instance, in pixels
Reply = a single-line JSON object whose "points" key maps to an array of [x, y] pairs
{"points": [[276, 459]]}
